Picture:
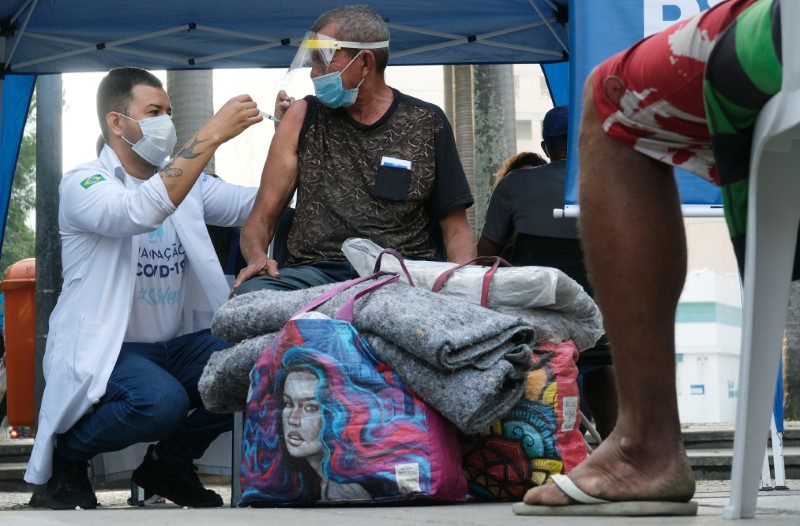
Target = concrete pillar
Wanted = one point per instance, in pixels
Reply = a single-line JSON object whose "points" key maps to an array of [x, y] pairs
{"points": [[495, 129], [48, 242], [191, 95]]}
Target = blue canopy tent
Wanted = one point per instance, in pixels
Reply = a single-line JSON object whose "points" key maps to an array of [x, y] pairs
{"points": [[51, 36]]}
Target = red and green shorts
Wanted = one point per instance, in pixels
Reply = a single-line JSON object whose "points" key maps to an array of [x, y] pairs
{"points": [[690, 96]]}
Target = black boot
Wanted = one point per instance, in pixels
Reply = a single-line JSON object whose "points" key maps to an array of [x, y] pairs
{"points": [[176, 482], [67, 488]]}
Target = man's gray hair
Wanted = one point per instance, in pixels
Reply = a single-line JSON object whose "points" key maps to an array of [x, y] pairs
{"points": [[359, 23]]}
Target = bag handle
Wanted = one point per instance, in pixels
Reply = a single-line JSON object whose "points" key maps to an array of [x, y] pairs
{"points": [[487, 278], [322, 298], [399, 257], [346, 312]]}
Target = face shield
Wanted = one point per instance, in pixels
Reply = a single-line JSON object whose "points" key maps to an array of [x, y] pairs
{"points": [[314, 57]]}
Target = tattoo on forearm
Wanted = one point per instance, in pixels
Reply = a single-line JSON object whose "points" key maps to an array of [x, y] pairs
{"points": [[187, 152], [170, 171]]}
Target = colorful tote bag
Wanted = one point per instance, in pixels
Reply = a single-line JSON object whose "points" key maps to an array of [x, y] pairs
{"points": [[328, 422], [538, 438]]}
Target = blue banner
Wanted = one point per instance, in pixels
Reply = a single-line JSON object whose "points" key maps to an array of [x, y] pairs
{"points": [[598, 30]]}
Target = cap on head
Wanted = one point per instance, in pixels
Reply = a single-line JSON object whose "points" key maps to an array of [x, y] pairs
{"points": [[555, 127]]}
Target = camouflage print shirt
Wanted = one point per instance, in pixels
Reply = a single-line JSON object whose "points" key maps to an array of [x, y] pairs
{"points": [[391, 181]]}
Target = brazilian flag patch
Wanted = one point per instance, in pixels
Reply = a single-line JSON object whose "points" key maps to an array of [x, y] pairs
{"points": [[93, 179]]}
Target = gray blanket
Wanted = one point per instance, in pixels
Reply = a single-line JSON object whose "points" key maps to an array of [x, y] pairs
{"points": [[468, 362], [446, 333], [470, 398]]}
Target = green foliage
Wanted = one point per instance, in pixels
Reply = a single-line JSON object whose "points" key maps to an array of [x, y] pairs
{"points": [[20, 239]]}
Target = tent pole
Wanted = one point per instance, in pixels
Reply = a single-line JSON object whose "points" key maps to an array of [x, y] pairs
{"points": [[549, 25], [48, 243], [21, 32], [686, 210]]}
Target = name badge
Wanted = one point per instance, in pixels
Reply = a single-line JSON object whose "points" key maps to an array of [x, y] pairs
{"points": [[397, 163]]}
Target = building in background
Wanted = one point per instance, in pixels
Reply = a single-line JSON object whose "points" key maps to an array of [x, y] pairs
{"points": [[533, 100]]}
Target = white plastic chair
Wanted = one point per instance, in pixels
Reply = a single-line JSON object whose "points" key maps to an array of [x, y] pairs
{"points": [[772, 224]]}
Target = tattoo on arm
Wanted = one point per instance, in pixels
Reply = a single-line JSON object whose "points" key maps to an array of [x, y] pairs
{"points": [[187, 152], [170, 171]]}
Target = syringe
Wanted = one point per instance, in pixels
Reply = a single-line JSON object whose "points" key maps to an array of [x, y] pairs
{"points": [[268, 116]]}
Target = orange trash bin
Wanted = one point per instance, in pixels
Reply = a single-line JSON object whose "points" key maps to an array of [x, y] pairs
{"points": [[19, 287]]}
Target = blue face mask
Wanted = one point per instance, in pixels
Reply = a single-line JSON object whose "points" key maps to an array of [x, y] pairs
{"points": [[330, 90]]}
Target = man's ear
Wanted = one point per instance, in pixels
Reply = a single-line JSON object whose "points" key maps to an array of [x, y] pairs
{"points": [[114, 123], [545, 150], [369, 61]]}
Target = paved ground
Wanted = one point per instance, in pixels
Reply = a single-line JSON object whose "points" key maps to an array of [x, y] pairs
{"points": [[774, 508]]}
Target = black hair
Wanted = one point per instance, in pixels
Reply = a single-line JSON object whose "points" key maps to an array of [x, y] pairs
{"points": [[115, 92]]}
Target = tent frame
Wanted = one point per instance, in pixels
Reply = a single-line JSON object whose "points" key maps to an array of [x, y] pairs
{"points": [[452, 39]]}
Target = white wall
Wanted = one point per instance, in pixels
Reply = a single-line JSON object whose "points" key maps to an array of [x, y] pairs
{"points": [[707, 340]]}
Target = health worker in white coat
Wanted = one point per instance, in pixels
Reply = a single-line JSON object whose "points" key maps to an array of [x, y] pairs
{"points": [[129, 335]]}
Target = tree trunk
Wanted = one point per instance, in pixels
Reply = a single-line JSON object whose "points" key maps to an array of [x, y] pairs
{"points": [[791, 357], [191, 95], [479, 101], [495, 132], [464, 126], [448, 87]]}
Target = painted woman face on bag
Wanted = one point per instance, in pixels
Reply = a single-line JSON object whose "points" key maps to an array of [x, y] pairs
{"points": [[302, 414]]}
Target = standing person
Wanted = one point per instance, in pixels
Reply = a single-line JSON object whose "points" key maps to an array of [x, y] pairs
{"points": [[521, 207], [129, 334], [366, 161], [689, 97]]}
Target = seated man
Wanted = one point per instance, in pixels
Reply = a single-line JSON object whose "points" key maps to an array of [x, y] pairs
{"points": [[129, 335], [365, 160], [689, 97], [522, 206]]}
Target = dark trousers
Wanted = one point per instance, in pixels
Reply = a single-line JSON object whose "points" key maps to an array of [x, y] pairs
{"points": [[301, 277], [150, 392]]}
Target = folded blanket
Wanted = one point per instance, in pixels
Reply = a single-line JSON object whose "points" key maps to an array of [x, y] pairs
{"points": [[537, 291], [446, 333], [470, 398], [557, 327]]}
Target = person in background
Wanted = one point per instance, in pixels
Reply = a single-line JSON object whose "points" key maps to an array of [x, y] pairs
{"points": [[521, 207], [516, 162]]}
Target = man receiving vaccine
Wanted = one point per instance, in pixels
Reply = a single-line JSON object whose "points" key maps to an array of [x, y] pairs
{"points": [[365, 160]]}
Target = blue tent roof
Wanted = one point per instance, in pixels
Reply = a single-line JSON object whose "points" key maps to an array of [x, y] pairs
{"points": [[96, 35]]}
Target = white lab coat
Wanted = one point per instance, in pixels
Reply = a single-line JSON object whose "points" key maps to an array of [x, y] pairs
{"points": [[98, 220]]}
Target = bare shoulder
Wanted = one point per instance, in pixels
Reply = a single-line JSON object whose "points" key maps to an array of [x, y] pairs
{"points": [[293, 118]]}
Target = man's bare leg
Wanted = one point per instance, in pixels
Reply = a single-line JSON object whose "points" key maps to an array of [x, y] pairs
{"points": [[635, 248]]}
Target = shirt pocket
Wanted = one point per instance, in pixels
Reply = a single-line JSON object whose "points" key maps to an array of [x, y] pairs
{"points": [[89, 347], [392, 183]]}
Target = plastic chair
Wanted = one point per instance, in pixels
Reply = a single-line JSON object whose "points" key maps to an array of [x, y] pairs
{"points": [[772, 224]]}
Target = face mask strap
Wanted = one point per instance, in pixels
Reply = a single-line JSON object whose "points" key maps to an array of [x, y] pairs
{"points": [[130, 118], [349, 63]]}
